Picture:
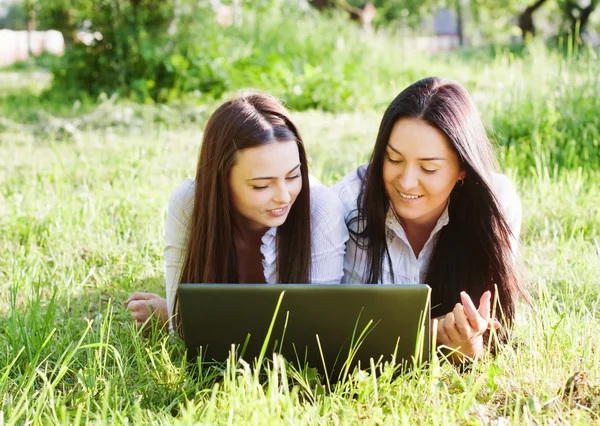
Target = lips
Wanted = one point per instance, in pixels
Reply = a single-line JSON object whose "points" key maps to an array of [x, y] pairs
{"points": [[279, 211], [408, 196]]}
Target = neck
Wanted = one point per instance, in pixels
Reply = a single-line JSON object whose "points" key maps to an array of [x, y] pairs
{"points": [[246, 232], [416, 228], [417, 231]]}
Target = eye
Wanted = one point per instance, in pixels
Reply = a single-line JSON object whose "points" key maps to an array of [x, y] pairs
{"points": [[260, 188], [428, 171], [393, 161], [293, 177]]}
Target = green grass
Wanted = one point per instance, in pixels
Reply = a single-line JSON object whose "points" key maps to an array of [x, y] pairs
{"points": [[82, 203]]}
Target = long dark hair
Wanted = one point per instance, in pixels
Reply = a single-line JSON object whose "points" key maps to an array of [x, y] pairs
{"points": [[473, 251], [246, 121]]}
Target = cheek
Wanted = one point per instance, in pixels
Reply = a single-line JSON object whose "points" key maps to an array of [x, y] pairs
{"points": [[440, 185], [257, 199], [246, 199], [295, 188], [388, 174]]}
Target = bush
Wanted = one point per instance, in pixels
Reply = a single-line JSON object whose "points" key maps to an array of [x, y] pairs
{"points": [[125, 52], [309, 59]]}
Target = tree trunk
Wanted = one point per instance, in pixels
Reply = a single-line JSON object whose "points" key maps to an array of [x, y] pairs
{"points": [[363, 14], [459, 23], [585, 15], [31, 24], [579, 16], [322, 4], [526, 19]]}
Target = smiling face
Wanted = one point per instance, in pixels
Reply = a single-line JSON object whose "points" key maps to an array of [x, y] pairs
{"points": [[264, 183], [420, 170]]}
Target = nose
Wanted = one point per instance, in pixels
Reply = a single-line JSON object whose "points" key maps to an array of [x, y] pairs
{"points": [[408, 178], [282, 194]]}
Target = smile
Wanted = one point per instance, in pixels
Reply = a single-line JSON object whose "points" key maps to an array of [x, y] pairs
{"points": [[279, 211], [409, 197]]}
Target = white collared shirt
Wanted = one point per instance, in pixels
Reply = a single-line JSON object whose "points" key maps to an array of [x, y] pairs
{"points": [[408, 268], [328, 241]]}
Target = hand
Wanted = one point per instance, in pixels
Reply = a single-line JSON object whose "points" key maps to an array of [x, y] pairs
{"points": [[463, 328], [146, 305]]}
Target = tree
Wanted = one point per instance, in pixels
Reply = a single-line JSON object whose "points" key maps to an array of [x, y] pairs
{"points": [[126, 48], [30, 10], [60, 15], [525, 19], [578, 16], [521, 11], [15, 17], [363, 13]]}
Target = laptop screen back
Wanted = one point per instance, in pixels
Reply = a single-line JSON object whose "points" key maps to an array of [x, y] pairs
{"points": [[322, 326]]}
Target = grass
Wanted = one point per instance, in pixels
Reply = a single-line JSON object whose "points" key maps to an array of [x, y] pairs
{"points": [[82, 201]]}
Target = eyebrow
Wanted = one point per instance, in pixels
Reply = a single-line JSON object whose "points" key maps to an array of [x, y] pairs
{"points": [[273, 177], [420, 159]]}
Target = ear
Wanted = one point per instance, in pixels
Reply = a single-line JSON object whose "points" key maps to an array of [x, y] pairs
{"points": [[462, 175]]}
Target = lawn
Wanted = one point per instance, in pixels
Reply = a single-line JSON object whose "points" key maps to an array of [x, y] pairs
{"points": [[83, 191]]}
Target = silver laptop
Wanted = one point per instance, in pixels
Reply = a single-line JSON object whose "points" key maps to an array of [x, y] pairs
{"points": [[332, 328]]}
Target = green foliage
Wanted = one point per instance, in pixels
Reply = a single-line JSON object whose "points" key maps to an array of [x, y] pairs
{"points": [[152, 51], [400, 13], [126, 52], [15, 18], [551, 92], [320, 64]]}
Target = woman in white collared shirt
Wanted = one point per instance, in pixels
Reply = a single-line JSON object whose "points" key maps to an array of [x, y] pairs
{"points": [[252, 214], [430, 208]]}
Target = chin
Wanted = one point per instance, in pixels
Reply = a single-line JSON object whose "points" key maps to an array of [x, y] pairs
{"points": [[275, 222], [409, 214]]}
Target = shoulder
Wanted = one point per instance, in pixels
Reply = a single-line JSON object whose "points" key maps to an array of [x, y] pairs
{"points": [[325, 208], [504, 190], [348, 189], [508, 201], [181, 202]]}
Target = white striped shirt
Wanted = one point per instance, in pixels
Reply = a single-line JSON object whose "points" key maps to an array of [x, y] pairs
{"points": [[408, 268], [328, 240]]}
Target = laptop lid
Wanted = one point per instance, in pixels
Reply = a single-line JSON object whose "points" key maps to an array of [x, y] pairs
{"points": [[332, 328]]}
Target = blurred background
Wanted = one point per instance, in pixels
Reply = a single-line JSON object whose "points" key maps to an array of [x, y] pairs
{"points": [[531, 65], [326, 54]]}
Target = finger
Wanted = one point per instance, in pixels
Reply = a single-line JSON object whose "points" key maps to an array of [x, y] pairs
{"points": [[481, 323], [140, 315], [450, 328], [484, 305], [495, 324], [461, 322], [133, 305], [442, 336], [140, 296], [470, 309], [139, 306]]}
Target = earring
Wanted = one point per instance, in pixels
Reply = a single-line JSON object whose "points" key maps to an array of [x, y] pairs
{"points": [[461, 182]]}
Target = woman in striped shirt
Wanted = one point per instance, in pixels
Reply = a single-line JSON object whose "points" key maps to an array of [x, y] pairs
{"points": [[252, 214]]}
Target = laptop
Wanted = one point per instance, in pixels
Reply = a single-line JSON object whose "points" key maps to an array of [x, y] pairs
{"points": [[331, 328]]}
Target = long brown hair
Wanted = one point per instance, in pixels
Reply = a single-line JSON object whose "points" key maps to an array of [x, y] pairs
{"points": [[473, 251], [246, 121]]}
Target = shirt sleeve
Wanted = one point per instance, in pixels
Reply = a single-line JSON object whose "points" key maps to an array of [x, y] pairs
{"points": [[177, 226], [347, 191], [329, 236]]}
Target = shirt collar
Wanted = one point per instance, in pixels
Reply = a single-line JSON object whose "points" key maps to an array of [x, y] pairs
{"points": [[393, 224]]}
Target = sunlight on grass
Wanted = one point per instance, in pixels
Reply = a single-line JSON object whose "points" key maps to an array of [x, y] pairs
{"points": [[81, 226]]}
